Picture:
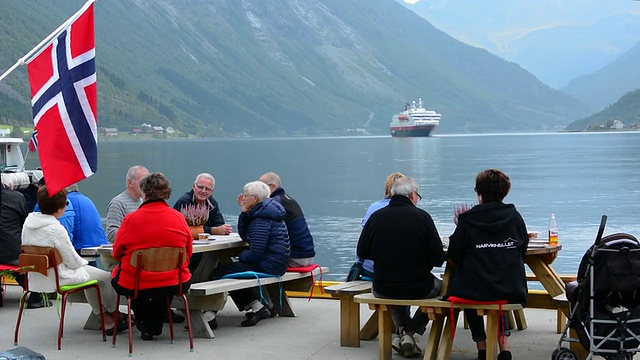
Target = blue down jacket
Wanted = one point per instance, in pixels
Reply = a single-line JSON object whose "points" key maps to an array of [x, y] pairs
{"points": [[264, 229]]}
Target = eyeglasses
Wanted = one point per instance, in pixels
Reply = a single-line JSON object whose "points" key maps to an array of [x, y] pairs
{"points": [[475, 190], [202, 187], [419, 196]]}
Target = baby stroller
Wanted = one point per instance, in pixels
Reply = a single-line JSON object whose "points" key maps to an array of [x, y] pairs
{"points": [[604, 300]]}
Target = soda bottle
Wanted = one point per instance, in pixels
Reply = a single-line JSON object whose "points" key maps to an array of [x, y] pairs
{"points": [[553, 231]]}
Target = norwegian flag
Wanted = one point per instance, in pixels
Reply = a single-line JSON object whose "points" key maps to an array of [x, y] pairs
{"points": [[33, 143], [64, 97]]}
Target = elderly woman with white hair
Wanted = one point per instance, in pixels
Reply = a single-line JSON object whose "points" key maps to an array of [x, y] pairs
{"points": [[261, 224]]}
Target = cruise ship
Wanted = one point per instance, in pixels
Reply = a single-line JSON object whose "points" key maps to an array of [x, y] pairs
{"points": [[414, 121]]}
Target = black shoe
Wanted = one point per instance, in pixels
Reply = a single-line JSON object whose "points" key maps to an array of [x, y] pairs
{"points": [[122, 326], [272, 311], [263, 313], [146, 336], [482, 354], [177, 318], [504, 355], [39, 304]]}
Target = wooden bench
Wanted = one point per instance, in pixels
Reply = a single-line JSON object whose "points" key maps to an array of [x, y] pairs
{"points": [[350, 333], [212, 295], [440, 338]]}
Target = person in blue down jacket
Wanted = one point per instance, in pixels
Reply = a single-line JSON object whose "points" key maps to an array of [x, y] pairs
{"points": [[261, 224], [302, 249]]}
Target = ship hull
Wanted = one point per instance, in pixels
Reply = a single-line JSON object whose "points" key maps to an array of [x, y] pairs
{"points": [[412, 131]]}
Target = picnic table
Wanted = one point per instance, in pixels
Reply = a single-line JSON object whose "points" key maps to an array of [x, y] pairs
{"points": [[206, 294]]}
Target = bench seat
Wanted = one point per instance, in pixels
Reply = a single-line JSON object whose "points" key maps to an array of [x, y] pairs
{"points": [[212, 295], [440, 338]]}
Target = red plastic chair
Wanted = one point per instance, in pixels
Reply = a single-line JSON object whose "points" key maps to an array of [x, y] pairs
{"points": [[40, 259], [157, 260]]}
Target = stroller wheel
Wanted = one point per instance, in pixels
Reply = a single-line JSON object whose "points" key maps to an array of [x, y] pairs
{"points": [[563, 354]]}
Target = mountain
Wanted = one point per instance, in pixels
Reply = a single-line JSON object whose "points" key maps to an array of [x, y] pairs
{"points": [[604, 87], [281, 67], [627, 110], [557, 41]]}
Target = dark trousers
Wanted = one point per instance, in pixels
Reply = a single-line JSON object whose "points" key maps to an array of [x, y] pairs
{"points": [[243, 297], [401, 315], [476, 325], [150, 307]]}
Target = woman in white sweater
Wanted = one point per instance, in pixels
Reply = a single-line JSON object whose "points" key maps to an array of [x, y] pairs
{"points": [[44, 229]]}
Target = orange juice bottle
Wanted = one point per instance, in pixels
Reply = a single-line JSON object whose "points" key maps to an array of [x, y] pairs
{"points": [[553, 231]]}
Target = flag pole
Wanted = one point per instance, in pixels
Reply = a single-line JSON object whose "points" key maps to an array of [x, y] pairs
{"points": [[38, 48]]}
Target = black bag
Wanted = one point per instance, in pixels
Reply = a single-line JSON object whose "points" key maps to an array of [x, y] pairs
{"points": [[355, 273]]}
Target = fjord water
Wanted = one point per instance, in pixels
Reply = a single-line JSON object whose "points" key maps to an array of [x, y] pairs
{"points": [[577, 176]]}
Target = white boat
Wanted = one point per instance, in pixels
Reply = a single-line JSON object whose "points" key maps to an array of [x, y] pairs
{"points": [[12, 164], [415, 120]]}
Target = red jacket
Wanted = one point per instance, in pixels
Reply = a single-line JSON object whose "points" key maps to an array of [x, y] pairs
{"points": [[155, 224]]}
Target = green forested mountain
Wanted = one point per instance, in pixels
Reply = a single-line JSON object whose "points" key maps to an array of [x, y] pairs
{"points": [[627, 110], [279, 67]]}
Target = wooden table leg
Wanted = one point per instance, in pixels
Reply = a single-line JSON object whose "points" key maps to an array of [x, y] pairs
{"points": [[435, 334], [521, 320], [370, 329], [349, 322], [446, 342]]}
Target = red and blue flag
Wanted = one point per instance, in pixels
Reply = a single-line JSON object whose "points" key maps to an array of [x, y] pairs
{"points": [[64, 97]]}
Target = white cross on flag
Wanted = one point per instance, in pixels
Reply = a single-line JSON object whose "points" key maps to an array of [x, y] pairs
{"points": [[64, 97]]}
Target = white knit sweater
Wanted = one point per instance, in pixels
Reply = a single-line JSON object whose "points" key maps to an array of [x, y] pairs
{"points": [[45, 230]]}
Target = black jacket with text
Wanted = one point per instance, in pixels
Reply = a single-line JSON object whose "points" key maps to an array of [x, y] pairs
{"points": [[488, 248]]}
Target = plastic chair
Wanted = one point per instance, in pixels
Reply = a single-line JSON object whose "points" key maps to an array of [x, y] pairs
{"points": [[157, 260], [40, 259]]}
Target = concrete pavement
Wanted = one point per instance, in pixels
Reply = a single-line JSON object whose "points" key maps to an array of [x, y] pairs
{"points": [[314, 334]]}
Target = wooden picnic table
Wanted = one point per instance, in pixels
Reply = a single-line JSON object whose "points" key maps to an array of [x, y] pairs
{"points": [[538, 259], [220, 248]]}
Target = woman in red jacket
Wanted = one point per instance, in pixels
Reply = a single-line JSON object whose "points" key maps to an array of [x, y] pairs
{"points": [[155, 224]]}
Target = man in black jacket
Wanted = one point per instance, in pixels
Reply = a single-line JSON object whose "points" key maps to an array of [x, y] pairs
{"points": [[13, 212], [405, 246]]}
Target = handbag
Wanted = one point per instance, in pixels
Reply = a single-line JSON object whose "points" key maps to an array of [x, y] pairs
{"points": [[355, 273]]}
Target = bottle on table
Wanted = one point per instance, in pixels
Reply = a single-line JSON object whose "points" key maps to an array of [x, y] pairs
{"points": [[553, 231]]}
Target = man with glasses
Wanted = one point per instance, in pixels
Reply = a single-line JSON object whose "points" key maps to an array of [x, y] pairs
{"points": [[405, 246], [202, 195]]}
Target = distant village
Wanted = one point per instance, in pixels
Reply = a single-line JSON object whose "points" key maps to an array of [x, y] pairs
{"points": [[613, 125], [144, 131]]}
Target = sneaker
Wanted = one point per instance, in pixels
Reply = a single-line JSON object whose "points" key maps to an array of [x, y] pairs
{"points": [[407, 342], [395, 345], [415, 353], [263, 313]]}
